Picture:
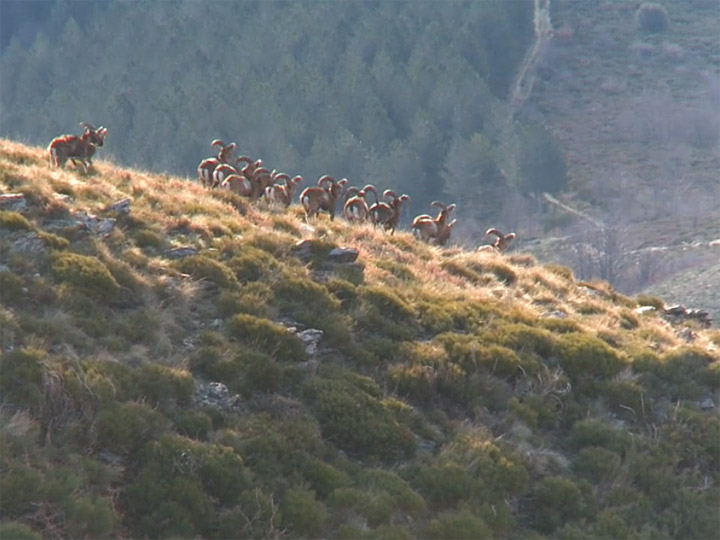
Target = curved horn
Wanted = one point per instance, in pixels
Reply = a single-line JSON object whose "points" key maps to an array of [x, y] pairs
{"points": [[326, 178], [281, 176], [217, 142], [389, 193], [438, 204], [87, 126], [450, 207], [494, 231], [342, 182]]}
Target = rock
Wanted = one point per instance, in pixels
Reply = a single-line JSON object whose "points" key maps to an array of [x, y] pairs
{"points": [[216, 395], [29, 244], [343, 255], [181, 252], [303, 249], [642, 310], [122, 206], [13, 201], [310, 338], [557, 314], [706, 404]]}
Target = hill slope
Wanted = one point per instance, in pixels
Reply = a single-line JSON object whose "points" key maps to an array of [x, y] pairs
{"points": [[162, 375]]}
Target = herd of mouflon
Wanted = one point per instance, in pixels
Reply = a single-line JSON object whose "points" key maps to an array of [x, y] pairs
{"points": [[250, 178]]}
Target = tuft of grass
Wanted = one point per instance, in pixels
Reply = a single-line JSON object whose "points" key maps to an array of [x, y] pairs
{"points": [[85, 273], [14, 221]]}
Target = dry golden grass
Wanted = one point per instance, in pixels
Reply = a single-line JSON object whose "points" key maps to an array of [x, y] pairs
{"points": [[168, 212]]}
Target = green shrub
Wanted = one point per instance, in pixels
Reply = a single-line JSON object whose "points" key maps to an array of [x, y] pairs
{"points": [[126, 427], [298, 295], [304, 516], [255, 516], [356, 419], [164, 386], [324, 478], [146, 238], [18, 531], [21, 489], [89, 516], [21, 377], [553, 502], [596, 464], [457, 524], [266, 336], [203, 267], [682, 373], [443, 486], [587, 359], [252, 299], [593, 432], [384, 312], [402, 499], [193, 424], [85, 273], [648, 300], [652, 17], [14, 221], [252, 264], [11, 288], [524, 338]]}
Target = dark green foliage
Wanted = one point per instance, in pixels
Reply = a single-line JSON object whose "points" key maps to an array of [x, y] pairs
{"points": [[126, 427], [297, 295], [457, 524], [596, 433], [252, 264], [652, 17], [683, 373], [587, 359], [541, 161], [204, 267], [442, 486], [146, 238], [596, 464], [253, 298], [165, 387], [173, 492], [266, 336], [86, 274], [193, 424], [21, 487], [356, 419], [11, 288], [303, 516], [18, 531], [525, 339], [648, 300], [554, 501], [21, 377], [386, 313], [14, 221], [325, 478]]}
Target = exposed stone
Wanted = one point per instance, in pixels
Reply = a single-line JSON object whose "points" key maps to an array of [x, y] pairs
{"points": [[29, 244], [122, 206], [303, 249], [343, 255], [557, 314], [679, 312], [214, 394], [13, 201], [310, 338], [181, 252], [642, 310], [706, 404]]}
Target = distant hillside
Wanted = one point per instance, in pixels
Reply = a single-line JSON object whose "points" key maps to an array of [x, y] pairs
{"points": [[181, 363]]}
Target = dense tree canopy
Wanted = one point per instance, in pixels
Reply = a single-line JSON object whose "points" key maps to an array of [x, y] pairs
{"points": [[394, 93]]}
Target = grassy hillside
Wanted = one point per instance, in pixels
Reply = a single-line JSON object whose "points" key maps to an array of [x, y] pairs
{"points": [[453, 393]]}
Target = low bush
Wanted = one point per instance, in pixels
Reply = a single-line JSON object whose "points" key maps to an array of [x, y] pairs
{"points": [[21, 378], [357, 420], [302, 514], [14, 221], [587, 360], [86, 274], [204, 267], [652, 17], [457, 524], [266, 336]]}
